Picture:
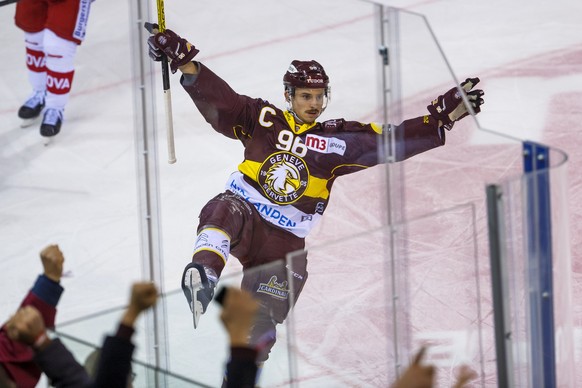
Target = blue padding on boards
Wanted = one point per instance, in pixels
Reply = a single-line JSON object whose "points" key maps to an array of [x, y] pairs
{"points": [[539, 229]]}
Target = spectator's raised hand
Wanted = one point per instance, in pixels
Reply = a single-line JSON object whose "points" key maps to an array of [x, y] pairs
{"points": [[417, 375], [464, 376], [238, 315], [143, 296], [52, 261]]}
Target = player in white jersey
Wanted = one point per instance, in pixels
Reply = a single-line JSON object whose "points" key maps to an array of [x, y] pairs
{"points": [[52, 31]]}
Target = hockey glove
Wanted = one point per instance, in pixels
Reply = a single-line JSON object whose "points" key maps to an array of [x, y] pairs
{"points": [[178, 50], [449, 107]]}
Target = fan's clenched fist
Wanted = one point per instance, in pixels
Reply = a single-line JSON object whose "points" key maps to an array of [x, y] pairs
{"points": [[52, 261]]}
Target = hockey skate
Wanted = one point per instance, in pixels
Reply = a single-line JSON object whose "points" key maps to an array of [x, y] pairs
{"points": [[31, 109], [198, 284], [51, 122]]}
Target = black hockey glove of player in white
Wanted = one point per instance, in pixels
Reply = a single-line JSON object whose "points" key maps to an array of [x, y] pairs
{"points": [[178, 50], [449, 107]]}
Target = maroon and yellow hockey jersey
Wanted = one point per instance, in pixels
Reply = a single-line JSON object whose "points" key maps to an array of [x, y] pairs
{"points": [[289, 169]]}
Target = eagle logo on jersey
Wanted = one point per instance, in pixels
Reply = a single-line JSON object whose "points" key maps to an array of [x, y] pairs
{"points": [[283, 177]]}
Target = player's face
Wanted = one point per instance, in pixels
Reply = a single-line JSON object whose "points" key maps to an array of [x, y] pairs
{"points": [[308, 104]]}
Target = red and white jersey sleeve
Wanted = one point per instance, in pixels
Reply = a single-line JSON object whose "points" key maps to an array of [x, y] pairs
{"points": [[288, 169]]}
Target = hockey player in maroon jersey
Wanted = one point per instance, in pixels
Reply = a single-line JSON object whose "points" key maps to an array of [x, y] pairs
{"points": [[282, 186], [53, 29]]}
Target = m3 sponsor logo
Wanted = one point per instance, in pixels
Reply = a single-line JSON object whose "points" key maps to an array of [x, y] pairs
{"points": [[325, 145]]}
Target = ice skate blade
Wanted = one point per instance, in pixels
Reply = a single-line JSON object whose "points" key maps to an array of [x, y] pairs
{"points": [[25, 123], [195, 283], [196, 314], [46, 141]]}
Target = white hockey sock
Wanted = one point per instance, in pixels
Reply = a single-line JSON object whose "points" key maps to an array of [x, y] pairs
{"points": [[35, 60], [213, 240], [60, 56]]}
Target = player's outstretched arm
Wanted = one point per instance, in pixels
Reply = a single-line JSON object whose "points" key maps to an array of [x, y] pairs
{"points": [[449, 107]]}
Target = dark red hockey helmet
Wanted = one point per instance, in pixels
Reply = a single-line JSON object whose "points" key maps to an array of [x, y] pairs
{"points": [[305, 74]]}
